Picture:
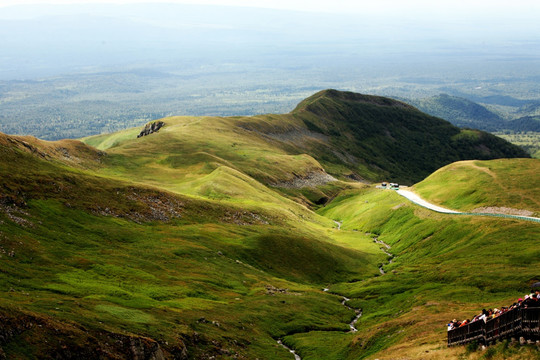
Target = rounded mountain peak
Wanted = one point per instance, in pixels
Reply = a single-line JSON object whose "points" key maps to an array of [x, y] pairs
{"points": [[337, 96]]}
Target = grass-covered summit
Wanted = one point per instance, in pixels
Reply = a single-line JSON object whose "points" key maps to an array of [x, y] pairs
{"points": [[393, 139]]}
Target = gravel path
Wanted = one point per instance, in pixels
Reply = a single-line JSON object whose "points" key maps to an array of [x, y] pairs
{"points": [[419, 201]]}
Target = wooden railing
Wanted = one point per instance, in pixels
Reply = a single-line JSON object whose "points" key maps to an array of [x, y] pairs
{"points": [[515, 323]]}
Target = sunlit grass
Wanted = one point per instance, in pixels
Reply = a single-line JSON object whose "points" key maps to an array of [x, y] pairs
{"points": [[472, 184]]}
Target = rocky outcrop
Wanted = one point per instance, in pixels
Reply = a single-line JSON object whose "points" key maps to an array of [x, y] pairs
{"points": [[244, 218], [313, 179], [13, 207], [151, 128], [47, 338], [272, 290]]}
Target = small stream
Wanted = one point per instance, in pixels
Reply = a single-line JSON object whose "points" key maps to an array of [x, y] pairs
{"points": [[352, 325], [296, 356], [358, 312], [385, 247]]}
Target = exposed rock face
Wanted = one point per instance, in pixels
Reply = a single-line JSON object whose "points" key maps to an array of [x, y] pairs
{"points": [[52, 339], [144, 205], [244, 218], [313, 179], [151, 128]]}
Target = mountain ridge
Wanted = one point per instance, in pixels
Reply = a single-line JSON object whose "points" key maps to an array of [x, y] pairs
{"points": [[350, 135]]}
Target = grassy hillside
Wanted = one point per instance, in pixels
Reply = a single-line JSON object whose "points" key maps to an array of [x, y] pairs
{"points": [[349, 135], [182, 274], [445, 267], [396, 139], [474, 185], [200, 240]]}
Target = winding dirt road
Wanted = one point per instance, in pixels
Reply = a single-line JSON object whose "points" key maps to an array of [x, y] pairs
{"points": [[419, 201]]}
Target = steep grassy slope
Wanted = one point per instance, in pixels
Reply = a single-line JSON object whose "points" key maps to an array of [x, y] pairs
{"points": [[398, 140], [110, 262]]}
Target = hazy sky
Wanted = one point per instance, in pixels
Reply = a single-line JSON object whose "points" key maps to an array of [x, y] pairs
{"points": [[34, 37], [470, 7]]}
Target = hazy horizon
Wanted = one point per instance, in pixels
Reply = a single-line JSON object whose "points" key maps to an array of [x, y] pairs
{"points": [[127, 62], [46, 39]]}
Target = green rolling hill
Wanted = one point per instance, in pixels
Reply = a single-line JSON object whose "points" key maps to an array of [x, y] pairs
{"points": [[214, 237], [472, 185], [461, 112], [395, 139], [469, 114]]}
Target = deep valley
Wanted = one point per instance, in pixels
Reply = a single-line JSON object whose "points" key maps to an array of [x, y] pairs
{"points": [[222, 237]]}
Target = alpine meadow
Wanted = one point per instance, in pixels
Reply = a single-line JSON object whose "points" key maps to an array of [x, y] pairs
{"points": [[184, 180]]}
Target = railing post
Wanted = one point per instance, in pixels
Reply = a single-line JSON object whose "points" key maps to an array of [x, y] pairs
{"points": [[514, 323]]}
